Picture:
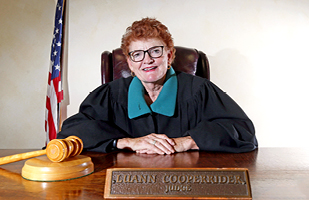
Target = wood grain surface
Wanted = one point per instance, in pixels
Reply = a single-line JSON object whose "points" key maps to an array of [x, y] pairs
{"points": [[275, 173]]}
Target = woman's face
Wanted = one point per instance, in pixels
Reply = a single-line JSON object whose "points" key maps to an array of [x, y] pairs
{"points": [[150, 70]]}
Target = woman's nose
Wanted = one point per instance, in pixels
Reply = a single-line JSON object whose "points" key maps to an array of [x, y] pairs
{"points": [[148, 59]]}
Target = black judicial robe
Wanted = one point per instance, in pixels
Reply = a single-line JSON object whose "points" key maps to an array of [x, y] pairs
{"points": [[203, 111]]}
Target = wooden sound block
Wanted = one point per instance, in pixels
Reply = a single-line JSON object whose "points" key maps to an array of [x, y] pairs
{"points": [[42, 169]]}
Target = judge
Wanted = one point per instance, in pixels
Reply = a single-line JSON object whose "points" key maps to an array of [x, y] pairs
{"points": [[158, 110]]}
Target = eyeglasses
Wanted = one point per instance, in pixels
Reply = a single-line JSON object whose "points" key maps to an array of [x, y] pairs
{"points": [[153, 52]]}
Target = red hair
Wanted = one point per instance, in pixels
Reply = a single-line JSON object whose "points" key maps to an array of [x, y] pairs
{"points": [[147, 28]]}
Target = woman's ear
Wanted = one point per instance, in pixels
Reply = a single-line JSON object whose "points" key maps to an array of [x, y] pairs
{"points": [[129, 62], [169, 57]]}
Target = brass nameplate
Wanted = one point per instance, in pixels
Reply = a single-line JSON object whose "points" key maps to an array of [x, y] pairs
{"points": [[177, 183]]}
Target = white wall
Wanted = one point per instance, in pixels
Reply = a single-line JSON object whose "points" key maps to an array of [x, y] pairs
{"points": [[25, 38], [258, 52]]}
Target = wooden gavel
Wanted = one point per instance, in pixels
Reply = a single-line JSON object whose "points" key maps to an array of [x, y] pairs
{"points": [[57, 150]]}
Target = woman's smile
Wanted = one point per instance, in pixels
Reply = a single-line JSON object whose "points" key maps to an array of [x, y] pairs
{"points": [[150, 69]]}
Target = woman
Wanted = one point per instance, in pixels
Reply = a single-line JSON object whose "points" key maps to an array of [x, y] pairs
{"points": [[158, 110]]}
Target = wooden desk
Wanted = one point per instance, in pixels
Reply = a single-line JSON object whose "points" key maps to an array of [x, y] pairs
{"points": [[275, 173]]}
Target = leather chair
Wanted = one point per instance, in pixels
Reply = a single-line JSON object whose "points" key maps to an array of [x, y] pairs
{"points": [[114, 64]]}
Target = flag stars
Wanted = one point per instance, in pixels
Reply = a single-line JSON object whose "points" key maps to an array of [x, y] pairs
{"points": [[58, 44], [60, 21], [55, 53], [57, 67]]}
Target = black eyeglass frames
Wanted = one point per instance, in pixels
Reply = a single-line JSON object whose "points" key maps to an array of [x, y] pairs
{"points": [[153, 52]]}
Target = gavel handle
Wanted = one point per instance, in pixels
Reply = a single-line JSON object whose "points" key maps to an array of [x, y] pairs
{"points": [[21, 156]]}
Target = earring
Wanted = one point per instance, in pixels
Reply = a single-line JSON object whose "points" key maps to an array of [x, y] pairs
{"points": [[132, 74], [169, 67]]}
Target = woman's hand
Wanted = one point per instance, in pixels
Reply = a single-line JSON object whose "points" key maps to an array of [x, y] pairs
{"points": [[185, 144], [157, 144], [150, 144]]}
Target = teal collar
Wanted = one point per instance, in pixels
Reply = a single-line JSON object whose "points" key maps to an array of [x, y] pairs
{"points": [[164, 104]]}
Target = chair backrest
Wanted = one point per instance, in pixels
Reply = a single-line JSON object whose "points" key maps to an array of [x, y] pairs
{"points": [[114, 64]]}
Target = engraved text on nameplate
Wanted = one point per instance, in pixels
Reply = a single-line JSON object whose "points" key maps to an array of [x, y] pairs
{"points": [[198, 182]]}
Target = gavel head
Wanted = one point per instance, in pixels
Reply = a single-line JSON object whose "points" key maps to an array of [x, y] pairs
{"points": [[59, 149]]}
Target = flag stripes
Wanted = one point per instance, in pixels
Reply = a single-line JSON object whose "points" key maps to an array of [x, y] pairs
{"points": [[54, 89]]}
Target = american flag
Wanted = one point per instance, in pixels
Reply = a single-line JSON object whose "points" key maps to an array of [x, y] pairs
{"points": [[54, 88]]}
